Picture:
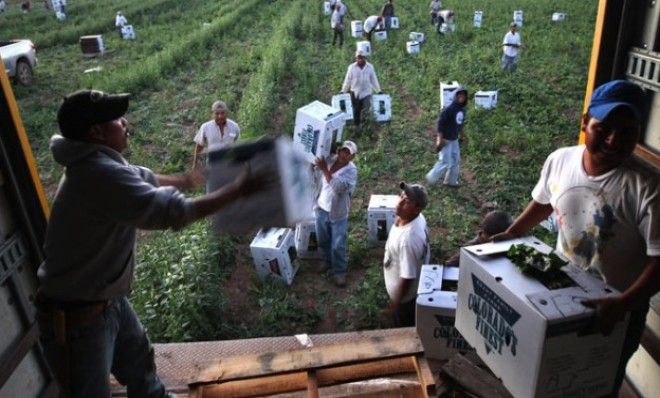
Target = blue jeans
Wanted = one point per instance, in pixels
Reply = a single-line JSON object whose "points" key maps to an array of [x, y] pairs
{"points": [[509, 63], [449, 159], [112, 341], [332, 238]]}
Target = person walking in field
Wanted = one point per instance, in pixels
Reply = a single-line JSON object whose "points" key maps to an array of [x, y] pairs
{"points": [[449, 132], [387, 12], [361, 81], [215, 134], [87, 326], [333, 203], [371, 24], [120, 22], [607, 202], [510, 45], [3, 5], [406, 249], [337, 24], [435, 7]]}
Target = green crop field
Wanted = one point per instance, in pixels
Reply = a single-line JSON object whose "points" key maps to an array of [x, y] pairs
{"points": [[268, 58]]}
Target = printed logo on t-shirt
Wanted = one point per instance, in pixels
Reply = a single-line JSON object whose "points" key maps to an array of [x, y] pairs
{"points": [[586, 222], [459, 118]]}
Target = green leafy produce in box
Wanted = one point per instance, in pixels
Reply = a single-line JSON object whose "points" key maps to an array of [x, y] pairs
{"points": [[546, 268]]}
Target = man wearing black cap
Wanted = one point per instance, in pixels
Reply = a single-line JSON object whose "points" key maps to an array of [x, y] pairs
{"points": [[88, 328], [406, 249], [607, 203]]}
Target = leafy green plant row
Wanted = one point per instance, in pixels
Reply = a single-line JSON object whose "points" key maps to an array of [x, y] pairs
{"points": [[260, 97], [182, 53]]}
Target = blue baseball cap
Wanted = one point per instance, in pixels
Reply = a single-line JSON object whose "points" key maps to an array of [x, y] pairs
{"points": [[614, 94]]}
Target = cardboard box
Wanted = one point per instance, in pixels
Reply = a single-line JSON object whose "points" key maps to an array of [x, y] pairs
{"points": [[327, 10], [307, 244], [447, 27], [417, 36], [381, 106], [343, 103], [381, 214], [274, 254], [317, 126], [356, 29], [127, 32], [447, 93], [478, 16], [518, 18], [288, 199], [485, 99], [435, 313], [363, 46], [380, 35], [92, 45], [412, 47], [537, 340], [394, 23], [558, 16]]}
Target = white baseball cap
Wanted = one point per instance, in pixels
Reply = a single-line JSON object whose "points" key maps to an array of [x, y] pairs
{"points": [[350, 145]]}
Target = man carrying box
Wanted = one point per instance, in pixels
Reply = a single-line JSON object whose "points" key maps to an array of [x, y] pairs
{"points": [[406, 249], [608, 208]]}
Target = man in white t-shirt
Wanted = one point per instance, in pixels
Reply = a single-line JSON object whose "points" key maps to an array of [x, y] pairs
{"points": [[215, 134], [407, 248], [361, 81], [607, 204], [120, 22], [510, 45], [372, 23]]}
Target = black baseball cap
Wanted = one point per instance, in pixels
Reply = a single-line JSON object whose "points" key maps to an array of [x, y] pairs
{"points": [[86, 108]]}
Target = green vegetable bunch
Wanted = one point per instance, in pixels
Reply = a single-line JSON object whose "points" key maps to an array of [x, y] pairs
{"points": [[546, 268]]}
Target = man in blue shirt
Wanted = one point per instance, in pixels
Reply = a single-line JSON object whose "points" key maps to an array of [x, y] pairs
{"points": [[449, 130]]}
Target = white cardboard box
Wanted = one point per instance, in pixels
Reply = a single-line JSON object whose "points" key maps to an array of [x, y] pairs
{"points": [[558, 16], [435, 313], [127, 32], [485, 99], [412, 47], [518, 18], [289, 197], [327, 10], [381, 214], [478, 16], [274, 254], [356, 29], [343, 103], [447, 93], [307, 244], [417, 36], [380, 35], [394, 23], [535, 339], [363, 46], [317, 126], [60, 16], [381, 105]]}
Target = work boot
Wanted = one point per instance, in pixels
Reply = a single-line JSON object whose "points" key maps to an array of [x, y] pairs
{"points": [[340, 280]]}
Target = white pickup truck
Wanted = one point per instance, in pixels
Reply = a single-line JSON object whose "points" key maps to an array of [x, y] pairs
{"points": [[19, 57]]}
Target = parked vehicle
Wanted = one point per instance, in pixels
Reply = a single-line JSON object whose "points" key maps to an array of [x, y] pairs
{"points": [[20, 58]]}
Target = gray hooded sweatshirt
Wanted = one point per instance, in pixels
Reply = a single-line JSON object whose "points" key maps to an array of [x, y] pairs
{"points": [[99, 204]]}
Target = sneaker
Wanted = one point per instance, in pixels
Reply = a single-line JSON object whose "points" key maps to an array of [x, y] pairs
{"points": [[340, 280]]}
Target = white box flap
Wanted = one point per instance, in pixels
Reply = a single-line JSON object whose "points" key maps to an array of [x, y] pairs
{"points": [[490, 248]]}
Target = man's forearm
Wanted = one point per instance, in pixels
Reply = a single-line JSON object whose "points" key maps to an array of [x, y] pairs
{"points": [[530, 217]]}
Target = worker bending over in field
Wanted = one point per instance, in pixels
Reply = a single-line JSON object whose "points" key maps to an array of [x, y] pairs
{"points": [[338, 178], [607, 203], [361, 80], [443, 19], [493, 223], [510, 45], [406, 249], [372, 23], [449, 131], [218, 133], [88, 328]]}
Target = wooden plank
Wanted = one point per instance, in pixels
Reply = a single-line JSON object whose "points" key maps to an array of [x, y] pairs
{"points": [[312, 384], [425, 376], [298, 381], [474, 380], [241, 367]]}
